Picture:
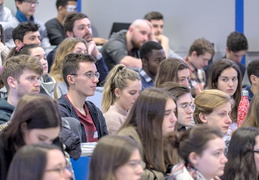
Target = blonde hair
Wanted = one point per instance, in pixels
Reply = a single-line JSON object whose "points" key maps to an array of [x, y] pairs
{"points": [[67, 46], [118, 77], [208, 100]]}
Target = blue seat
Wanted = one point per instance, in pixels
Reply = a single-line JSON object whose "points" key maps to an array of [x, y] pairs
{"points": [[81, 168]]}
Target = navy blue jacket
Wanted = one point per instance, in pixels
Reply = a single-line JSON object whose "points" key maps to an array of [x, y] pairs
{"points": [[67, 110]]}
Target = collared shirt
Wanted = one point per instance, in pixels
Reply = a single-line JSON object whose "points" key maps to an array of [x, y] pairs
{"points": [[197, 78], [146, 80]]}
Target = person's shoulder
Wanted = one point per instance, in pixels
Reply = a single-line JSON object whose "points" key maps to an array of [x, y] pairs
{"points": [[51, 21]]}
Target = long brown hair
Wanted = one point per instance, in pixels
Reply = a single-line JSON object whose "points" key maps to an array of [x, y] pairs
{"points": [[217, 68], [147, 115], [38, 112]]}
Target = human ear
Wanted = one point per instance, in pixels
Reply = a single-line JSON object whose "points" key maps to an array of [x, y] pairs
{"points": [[144, 61], [70, 79], [252, 79], [69, 34], [117, 92], [203, 118], [18, 42], [194, 158], [11, 82]]}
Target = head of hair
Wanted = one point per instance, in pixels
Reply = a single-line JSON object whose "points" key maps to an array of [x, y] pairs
{"points": [[70, 20], [71, 64], [217, 68], [177, 90], [237, 42], [201, 46], [15, 66], [66, 46], [147, 48], [154, 15], [20, 31], [147, 115], [241, 161], [37, 111], [168, 70], [119, 77], [194, 139], [26, 49], [252, 117], [62, 3], [253, 69], [29, 162], [208, 100], [2, 34], [110, 153]]}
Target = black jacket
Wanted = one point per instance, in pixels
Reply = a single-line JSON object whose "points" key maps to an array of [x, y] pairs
{"points": [[67, 110]]}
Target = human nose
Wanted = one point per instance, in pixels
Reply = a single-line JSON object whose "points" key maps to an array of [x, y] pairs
{"points": [[38, 41], [229, 120], [37, 83], [230, 83], [224, 159], [140, 170], [96, 79], [173, 118], [67, 174]]}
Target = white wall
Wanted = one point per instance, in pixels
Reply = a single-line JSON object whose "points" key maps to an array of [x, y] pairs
{"points": [[185, 20]]}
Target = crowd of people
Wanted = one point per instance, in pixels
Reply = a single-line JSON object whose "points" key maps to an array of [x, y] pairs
{"points": [[162, 116]]}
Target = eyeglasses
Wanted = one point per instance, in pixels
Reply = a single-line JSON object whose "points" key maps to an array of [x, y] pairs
{"points": [[60, 170], [185, 106], [36, 3], [71, 8], [135, 163], [90, 75]]}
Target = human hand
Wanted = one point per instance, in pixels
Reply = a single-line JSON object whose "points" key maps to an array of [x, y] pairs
{"points": [[92, 49]]}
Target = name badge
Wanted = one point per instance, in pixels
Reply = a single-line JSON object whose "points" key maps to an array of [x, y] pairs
{"points": [[95, 134]]}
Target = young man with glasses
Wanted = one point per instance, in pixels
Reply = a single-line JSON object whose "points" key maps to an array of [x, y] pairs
{"points": [[54, 26], [81, 77], [184, 102], [25, 12]]}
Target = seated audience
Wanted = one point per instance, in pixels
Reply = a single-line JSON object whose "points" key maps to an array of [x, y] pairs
{"points": [[118, 157], [47, 82], [39, 161], [151, 54], [81, 77], [236, 48], [157, 21], [200, 52], [25, 33], [243, 155], [152, 116], [54, 26], [25, 12], [253, 75], [214, 107], [78, 25], [202, 150], [123, 46], [20, 76], [225, 76], [174, 70], [121, 90], [36, 120], [184, 102]]}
